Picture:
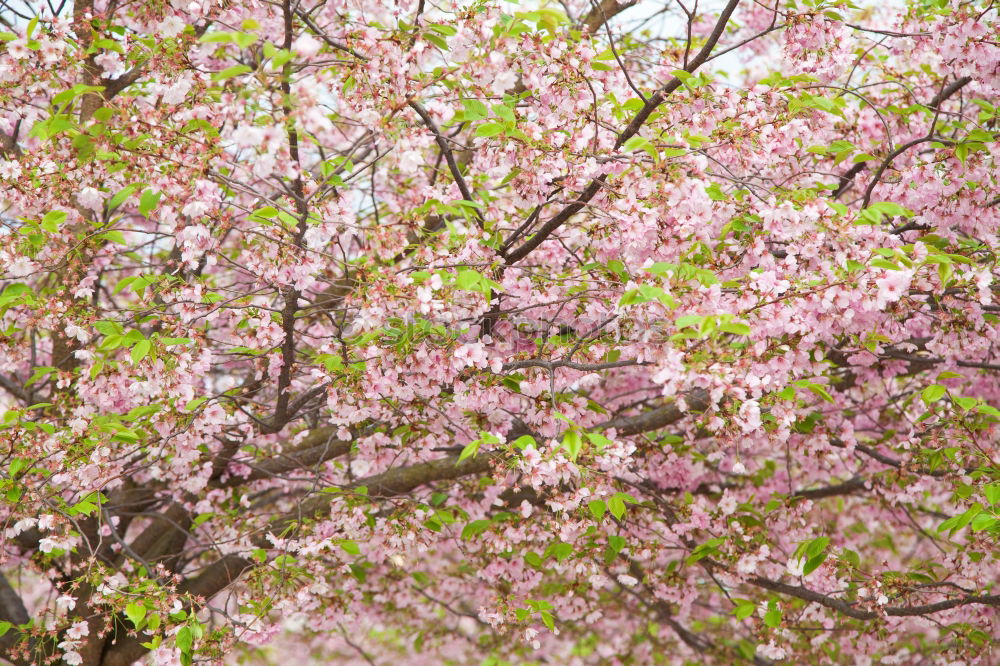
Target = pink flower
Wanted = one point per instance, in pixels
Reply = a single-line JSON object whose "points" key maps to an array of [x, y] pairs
{"points": [[892, 287], [170, 26], [628, 581], [10, 170], [796, 566], [110, 63], [90, 198], [18, 49], [306, 45], [771, 650], [248, 136]]}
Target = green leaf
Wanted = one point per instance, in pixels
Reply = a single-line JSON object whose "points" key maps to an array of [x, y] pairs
{"points": [[148, 202], [489, 129], [475, 528], [39, 373], [241, 39], [992, 493], [111, 342], [437, 41], [640, 143], [123, 194], [504, 113], [266, 212], [813, 563], [16, 465], [744, 609], [635, 143], [87, 505], [956, 523], [616, 506], [704, 550], [280, 56], [817, 546], [474, 109], [135, 612], [982, 521], [52, 220], [194, 404], [818, 389], [881, 208], [932, 393], [184, 639], [772, 617], [230, 72], [471, 449], [597, 508], [140, 351], [735, 328], [559, 550], [572, 442]]}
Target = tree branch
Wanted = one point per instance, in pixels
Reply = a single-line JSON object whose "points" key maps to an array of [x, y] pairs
{"points": [[631, 130], [850, 610]]}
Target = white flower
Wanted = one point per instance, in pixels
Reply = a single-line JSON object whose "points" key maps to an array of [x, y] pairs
{"points": [[91, 198], [171, 26], [21, 526], [749, 416], [360, 467], [526, 508], [882, 600], [78, 630], [21, 267], [247, 136], [18, 49], [410, 161], [795, 567], [747, 565], [74, 331], [316, 237], [892, 287], [110, 63], [10, 170], [307, 46], [771, 651], [739, 468], [627, 581]]}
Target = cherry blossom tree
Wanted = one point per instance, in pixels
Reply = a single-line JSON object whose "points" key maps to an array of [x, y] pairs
{"points": [[436, 332]]}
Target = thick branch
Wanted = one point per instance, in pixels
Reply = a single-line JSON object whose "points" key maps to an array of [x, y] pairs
{"points": [[12, 610], [850, 610], [603, 12]]}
